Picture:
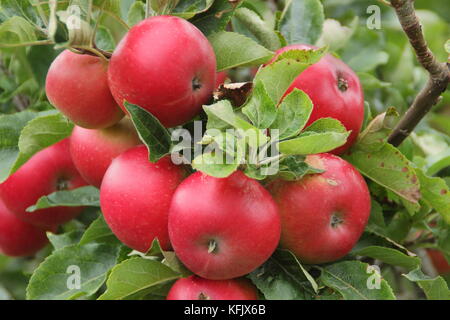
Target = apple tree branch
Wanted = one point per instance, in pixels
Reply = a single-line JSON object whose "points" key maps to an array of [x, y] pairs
{"points": [[439, 73]]}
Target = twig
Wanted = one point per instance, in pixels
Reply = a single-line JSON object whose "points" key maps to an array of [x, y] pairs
{"points": [[21, 102], [95, 51], [439, 72]]}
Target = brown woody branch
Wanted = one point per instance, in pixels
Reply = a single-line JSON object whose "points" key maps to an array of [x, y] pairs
{"points": [[439, 72]]}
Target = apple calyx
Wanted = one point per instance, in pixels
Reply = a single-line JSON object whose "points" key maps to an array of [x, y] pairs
{"points": [[196, 84], [342, 84], [203, 296], [336, 220], [213, 246], [62, 184]]}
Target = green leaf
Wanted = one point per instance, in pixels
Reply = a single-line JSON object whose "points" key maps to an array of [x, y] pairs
{"points": [[112, 6], [258, 28], [135, 276], [226, 141], [437, 162], [335, 35], [10, 128], [260, 108], [151, 132], [313, 143], [222, 116], [283, 278], [389, 168], [294, 168], [228, 49], [324, 135], [136, 13], [80, 197], [375, 136], [170, 258], [214, 165], [286, 258], [23, 9], [39, 134], [16, 31], [399, 226], [370, 82], [45, 55], [389, 256], [56, 277], [353, 279], [216, 18], [256, 172], [302, 21], [279, 75], [436, 193], [292, 114], [98, 232], [365, 50], [376, 222], [307, 56], [104, 39], [24, 134], [434, 288], [60, 241], [189, 8], [323, 125]]}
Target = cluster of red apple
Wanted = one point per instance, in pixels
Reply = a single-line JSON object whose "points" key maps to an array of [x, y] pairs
{"points": [[220, 228]]}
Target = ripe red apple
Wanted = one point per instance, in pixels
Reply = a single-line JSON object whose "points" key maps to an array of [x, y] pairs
{"points": [[439, 262], [93, 150], [322, 215], [48, 171], [135, 197], [165, 65], [223, 228], [19, 238], [77, 85], [335, 91], [196, 288]]}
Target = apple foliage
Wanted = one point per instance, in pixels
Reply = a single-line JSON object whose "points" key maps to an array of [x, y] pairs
{"points": [[409, 184]]}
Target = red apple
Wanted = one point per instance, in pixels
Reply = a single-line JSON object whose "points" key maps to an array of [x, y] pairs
{"points": [[135, 197], [439, 262], [335, 91], [223, 228], [77, 85], [48, 171], [322, 215], [196, 288], [19, 238], [165, 65], [93, 150]]}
